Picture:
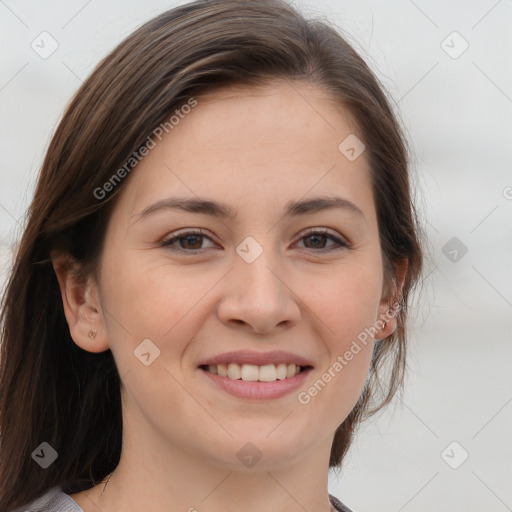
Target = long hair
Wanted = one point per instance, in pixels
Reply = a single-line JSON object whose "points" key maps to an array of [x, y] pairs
{"points": [[53, 391]]}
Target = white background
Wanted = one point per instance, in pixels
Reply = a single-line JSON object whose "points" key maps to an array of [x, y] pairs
{"points": [[458, 113]]}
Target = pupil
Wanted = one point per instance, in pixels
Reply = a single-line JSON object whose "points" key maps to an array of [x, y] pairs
{"points": [[316, 238], [187, 238]]}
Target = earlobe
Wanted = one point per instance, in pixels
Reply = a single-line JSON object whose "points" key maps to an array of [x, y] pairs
{"points": [[391, 302], [81, 308]]}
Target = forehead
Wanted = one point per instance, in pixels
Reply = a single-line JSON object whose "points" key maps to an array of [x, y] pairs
{"points": [[297, 106], [253, 143]]}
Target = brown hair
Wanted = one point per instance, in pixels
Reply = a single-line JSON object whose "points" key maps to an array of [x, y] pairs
{"points": [[50, 389]]}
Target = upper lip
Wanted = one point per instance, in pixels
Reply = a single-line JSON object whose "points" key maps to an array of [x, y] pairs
{"points": [[257, 358]]}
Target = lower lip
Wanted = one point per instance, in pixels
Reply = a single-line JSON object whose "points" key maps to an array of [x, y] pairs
{"points": [[258, 390]]}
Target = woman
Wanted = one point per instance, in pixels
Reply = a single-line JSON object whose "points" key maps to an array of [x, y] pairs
{"points": [[216, 266]]}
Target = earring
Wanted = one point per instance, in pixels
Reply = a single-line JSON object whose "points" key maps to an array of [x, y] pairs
{"points": [[92, 334]]}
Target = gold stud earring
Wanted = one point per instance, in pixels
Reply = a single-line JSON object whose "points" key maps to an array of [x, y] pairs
{"points": [[92, 334]]}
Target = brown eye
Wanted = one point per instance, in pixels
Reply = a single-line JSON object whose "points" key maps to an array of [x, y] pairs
{"points": [[191, 241], [318, 239], [187, 241]]}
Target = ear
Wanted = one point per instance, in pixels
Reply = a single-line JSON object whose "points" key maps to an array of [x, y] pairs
{"points": [[390, 301], [81, 305]]}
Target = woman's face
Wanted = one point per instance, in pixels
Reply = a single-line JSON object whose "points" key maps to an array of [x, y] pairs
{"points": [[258, 282]]}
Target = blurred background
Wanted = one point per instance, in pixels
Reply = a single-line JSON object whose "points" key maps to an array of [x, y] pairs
{"points": [[446, 443]]}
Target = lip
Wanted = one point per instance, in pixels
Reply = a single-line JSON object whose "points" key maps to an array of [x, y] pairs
{"points": [[257, 358], [257, 390]]}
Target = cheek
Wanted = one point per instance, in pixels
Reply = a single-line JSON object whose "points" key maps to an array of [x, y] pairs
{"points": [[346, 301], [347, 307], [346, 310], [159, 302], [146, 296], [331, 397]]}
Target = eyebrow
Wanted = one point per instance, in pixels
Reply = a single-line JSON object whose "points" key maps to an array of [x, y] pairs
{"points": [[222, 210]]}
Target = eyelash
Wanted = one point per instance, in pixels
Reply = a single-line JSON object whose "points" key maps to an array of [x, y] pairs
{"points": [[341, 244]]}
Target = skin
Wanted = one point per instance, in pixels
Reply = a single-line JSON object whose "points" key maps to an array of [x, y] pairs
{"points": [[254, 149]]}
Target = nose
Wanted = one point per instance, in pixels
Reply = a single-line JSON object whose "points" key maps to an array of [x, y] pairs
{"points": [[259, 297]]}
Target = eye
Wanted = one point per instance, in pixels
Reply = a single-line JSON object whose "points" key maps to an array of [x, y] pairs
{"points": [[317, 237], [191, 241]]}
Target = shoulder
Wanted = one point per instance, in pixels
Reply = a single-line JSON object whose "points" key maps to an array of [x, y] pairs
{"points": [[56, 501], [336, 503], [52, 501]]}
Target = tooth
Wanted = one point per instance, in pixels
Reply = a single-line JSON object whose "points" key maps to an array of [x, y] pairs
{"points": [[234, 371], [250, 372], [281, 371], [268, 373], [290, 370], [253, 373]]}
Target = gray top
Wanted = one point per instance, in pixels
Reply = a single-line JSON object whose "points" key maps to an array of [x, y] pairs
{"points": [[57, 501], [52, 501]]}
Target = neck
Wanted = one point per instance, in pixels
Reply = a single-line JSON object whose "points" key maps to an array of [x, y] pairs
{"points": [[159, 472]]}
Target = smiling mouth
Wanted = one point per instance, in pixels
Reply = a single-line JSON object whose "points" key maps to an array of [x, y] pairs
{"points": [[255, 373]]}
